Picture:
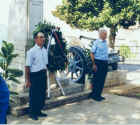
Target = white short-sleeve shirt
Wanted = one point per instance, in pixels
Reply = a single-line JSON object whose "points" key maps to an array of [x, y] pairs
{"points": [[37, 58]]}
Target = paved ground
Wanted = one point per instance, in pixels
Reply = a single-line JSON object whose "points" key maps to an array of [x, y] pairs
{"points": [[115, 110]]}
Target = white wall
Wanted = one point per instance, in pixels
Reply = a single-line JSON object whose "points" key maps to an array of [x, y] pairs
{"points": [[4, 11]]}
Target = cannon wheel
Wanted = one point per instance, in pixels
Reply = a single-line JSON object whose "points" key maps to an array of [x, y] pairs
{"points": [[75, 69]]}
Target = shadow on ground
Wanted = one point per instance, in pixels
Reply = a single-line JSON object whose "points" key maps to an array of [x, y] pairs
{"points": [[115, 109]]}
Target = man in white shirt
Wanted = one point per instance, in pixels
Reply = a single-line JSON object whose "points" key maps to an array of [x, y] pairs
{"points": [[35, 73]]}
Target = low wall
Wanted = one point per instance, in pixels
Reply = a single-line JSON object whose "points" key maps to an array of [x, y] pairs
{"points": [[116, 78]]}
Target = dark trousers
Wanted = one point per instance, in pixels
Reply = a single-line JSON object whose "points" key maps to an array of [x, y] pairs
{"points": [[4, 101], [37, 92], [99, 77], [3, 116]]}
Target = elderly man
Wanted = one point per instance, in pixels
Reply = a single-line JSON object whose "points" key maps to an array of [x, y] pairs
{"points": [[36, 65], [99, 56]]}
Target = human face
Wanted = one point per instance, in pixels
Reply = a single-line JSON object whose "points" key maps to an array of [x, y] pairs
{"points": [[103, 35], [40, 39]]}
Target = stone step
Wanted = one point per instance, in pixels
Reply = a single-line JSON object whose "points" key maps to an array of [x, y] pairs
{"points": [[23, 98], [52, 103]]}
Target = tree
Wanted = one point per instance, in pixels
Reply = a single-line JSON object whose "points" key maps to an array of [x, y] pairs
{"points": [[93, 14], [7, 55]]}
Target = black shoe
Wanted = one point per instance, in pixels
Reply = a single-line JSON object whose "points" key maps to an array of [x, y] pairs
{"points": [[90, 96], [97, 99], [42, 114], [33, 117], [102, 98]]}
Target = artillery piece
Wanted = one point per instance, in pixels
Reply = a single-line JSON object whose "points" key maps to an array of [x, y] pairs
{"points": [[80, 64]]}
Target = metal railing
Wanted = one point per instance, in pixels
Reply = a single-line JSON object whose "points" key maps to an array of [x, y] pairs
{"points": [[131, 53]]}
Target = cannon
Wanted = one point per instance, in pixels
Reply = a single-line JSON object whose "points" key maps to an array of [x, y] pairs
{"points": [[80, 64]]}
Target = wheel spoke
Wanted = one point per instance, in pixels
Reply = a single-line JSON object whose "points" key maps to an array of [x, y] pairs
{"points": [[76, 74], [75, 66]]}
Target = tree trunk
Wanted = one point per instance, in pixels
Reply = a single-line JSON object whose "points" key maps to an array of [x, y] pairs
{"points": [[112, 36]]}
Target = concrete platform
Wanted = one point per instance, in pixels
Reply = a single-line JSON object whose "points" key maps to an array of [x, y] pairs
{"points": [[69, 89], [114, 110], [73, 94]]}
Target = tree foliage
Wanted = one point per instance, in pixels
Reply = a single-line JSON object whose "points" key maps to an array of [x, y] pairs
{"points": [[93, 14]]}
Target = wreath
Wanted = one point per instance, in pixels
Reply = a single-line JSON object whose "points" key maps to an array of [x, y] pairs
{"points": [[57, 52]]}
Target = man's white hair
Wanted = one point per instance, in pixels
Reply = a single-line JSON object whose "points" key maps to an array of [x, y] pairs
{"points": [[40, 33], [102, 30]]}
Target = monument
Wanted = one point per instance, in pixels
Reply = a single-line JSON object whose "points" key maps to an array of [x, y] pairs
{"points": [[23, 16]]}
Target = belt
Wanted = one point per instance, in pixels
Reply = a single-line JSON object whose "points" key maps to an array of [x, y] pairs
{"points": [[39, 73], [101, 61]]}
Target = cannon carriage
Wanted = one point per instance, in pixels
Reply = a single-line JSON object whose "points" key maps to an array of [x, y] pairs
{"points": [[80, 64]]}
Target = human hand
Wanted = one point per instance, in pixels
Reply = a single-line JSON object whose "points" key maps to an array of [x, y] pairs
{"points": [[94, 68], [28, 84]]}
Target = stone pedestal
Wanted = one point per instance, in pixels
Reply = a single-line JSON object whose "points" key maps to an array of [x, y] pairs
{"points": [[35, 13], [115, 78], [23, 16]]}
